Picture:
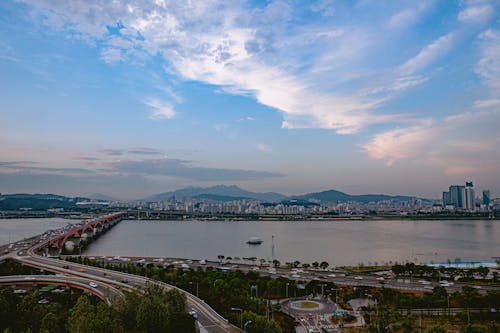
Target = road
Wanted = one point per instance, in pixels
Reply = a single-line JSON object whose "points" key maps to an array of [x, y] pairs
{"points": [[105, 292], [301, 275], [25, 252]]}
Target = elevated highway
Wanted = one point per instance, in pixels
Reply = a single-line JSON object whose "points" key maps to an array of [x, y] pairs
{"points": [[208, 319], [106, 293]]}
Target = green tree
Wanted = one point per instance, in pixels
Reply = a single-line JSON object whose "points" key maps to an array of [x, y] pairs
{"points": [[152, 315], [435, 329], [324, 265], [80, 320], [315, 265], [50, 324], [259, 324]]}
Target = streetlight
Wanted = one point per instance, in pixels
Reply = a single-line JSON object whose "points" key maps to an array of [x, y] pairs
{"points": [[287, 289], [196, 287], [241, 315], [336, 295], [256, 288], [247, 323]]}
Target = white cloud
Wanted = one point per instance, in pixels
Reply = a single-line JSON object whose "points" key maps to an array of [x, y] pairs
{"points": [[325, 7], [488, 66], [264, 147], [462, 144], [476, 14], [487, 103], [399, 143], [159, 109], [408, 16], [242, 51], [429, 54]]}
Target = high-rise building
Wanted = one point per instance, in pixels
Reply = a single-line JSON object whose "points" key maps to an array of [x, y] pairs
{"points": [[486, 197], [446, 199], [460, 197], [457, 196], [470, 203]]}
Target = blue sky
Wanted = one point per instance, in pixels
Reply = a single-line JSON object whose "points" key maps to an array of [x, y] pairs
{"points": [[132, 98]]}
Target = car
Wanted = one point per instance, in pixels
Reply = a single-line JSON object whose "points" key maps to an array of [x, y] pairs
{"points": [[65, 267], [358, 277], [380, 278], [332, 275], [93, 284], [194, 313], [81, 270], [124, 281]]}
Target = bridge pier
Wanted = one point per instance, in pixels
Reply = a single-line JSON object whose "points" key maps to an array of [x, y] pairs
{"points": [[72, 245]]}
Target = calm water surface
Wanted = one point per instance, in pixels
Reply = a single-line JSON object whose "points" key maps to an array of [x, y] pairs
{"points": [[337, 242], [12, 230]]}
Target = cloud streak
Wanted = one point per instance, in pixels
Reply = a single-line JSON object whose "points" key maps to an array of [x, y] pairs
{"points": [[184, 169]]}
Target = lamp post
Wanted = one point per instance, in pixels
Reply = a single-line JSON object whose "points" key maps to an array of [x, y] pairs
{"points": [[336, 295], [245, 326], [196, 287], [241, 315], [448, 297], [287, 289], [256, 288]]}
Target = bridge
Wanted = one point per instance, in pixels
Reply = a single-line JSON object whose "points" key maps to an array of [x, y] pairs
{"points": [[208, 319], [108, 294], [83, 233]]}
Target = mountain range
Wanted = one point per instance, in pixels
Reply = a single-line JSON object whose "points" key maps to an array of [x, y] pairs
{"points": [[216, 193], [233, 192]]}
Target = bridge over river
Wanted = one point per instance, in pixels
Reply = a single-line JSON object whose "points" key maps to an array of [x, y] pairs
{"points": [[109, 283]]}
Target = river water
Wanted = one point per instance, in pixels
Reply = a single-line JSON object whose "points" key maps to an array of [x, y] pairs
{"points": [[337, 242], [12, 230]]}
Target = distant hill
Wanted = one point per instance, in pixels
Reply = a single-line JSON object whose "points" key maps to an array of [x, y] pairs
{"points": [[37, 201], [333, 196], [101, 197], [231, 192]]}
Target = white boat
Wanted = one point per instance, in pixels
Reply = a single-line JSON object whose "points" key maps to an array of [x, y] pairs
{"points": [[255, 241]]}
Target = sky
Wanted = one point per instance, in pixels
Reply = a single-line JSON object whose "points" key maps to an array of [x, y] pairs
{"points": [[132, 98]]}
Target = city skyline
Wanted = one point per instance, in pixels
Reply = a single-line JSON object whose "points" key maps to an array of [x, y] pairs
{"points": [[138, 98]]}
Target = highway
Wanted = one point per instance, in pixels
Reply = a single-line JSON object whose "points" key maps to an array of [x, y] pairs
{"points": [[25, 252], [111, 283], [107, 293], [210, 320]]}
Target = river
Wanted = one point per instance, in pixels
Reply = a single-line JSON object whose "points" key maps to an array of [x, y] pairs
{"points": [[337, 242], [12, 230]]}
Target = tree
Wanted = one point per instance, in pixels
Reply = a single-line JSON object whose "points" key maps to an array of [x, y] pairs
{"points": [[276, 263], [50, 324], [315, 265], [324, 265], [435, 329], [81, 317], [259, 324], [152, 315]]}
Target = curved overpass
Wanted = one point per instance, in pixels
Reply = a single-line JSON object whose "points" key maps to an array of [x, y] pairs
{"points": [[108, 294], [208, 318]]}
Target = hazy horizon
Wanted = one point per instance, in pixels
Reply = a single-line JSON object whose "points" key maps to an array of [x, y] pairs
{"points": [[136, 98]]}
